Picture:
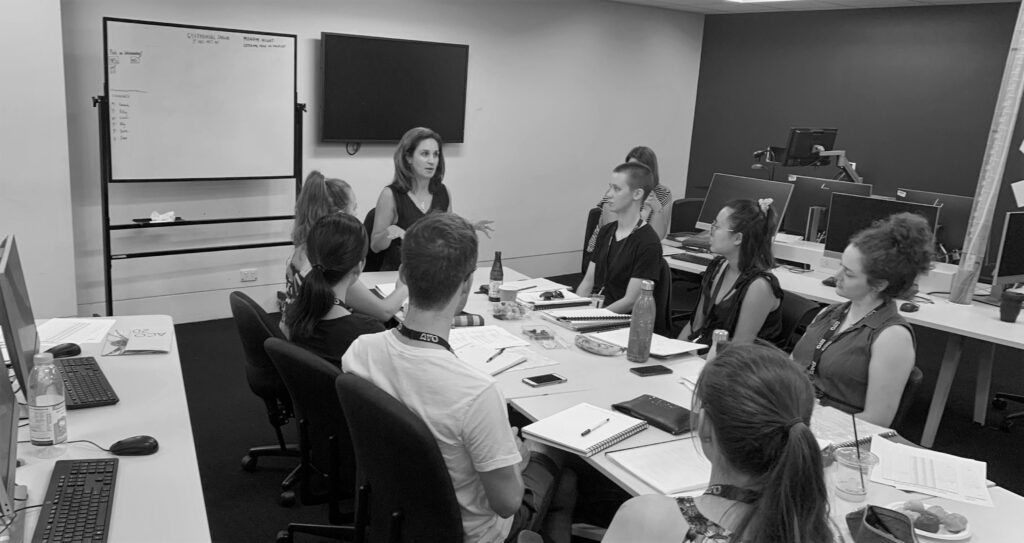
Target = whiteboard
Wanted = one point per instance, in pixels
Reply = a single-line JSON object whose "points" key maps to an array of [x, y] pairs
{"points": [[199, 103]]}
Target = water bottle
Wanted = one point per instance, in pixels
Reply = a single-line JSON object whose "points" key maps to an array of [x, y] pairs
{"points": [[497, 276], [47, 417], [641, 324], [718, 336]]}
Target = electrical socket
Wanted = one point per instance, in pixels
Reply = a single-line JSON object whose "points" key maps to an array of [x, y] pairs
{"points": [[248, 274]]}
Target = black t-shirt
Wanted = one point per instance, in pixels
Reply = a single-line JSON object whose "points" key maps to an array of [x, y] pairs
{"points": [[616, 262], [332, 337]]}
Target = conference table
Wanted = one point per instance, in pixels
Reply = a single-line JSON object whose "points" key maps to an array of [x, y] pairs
{"points": [[976, 321], [601, 381], [157, 498]]}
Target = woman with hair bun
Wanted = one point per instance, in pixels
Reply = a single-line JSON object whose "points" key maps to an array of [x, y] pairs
{"points": [[739, 293], [860, 353], [318, 318], [752, 412]]}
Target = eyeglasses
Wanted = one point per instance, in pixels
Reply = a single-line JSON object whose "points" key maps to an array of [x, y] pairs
{"points": [[716, 226]]}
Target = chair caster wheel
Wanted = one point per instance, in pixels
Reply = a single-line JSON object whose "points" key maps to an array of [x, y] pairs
{"points": [[283, 537], [998, 404], [287, 499], [1006, 425], [249, 463]]}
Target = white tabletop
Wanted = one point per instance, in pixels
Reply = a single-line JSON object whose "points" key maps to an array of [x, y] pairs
{"points": [[157, 497]]}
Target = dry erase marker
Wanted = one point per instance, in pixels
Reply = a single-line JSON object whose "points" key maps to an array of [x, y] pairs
{"points": [[595, 427]]}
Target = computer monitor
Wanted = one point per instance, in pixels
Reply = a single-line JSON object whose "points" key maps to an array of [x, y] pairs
{"points": [[16, 320], [801, 149], [849, 214], [9, 414], [956, 216], [810, 192], [725, 188], [1010, 262]]}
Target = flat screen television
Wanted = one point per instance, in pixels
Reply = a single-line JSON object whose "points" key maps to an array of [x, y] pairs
{"points": [[375, 89]]}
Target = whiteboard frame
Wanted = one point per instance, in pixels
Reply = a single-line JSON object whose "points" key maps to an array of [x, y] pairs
{"points": [[297, 141]]}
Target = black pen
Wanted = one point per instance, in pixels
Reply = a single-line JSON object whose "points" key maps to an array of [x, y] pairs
{"points": [[495, 355], [595, 427]]}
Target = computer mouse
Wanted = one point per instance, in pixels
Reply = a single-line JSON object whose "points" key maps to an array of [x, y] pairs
{"points": [[829, 281], [135, 446], [65, 350], [909, 307]]}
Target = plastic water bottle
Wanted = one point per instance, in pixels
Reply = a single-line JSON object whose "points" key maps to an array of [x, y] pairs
{"points": [[641, 325], [47, 416], [497, 276], [717, 337]]}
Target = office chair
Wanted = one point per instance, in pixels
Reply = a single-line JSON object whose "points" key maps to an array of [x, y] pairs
{"points": [[405, 493], [328, 473], [685, 212], [797, 313], [593, 217], [374, 261], [254, 327], [1000, 403], [662, 302], [908, 397]]}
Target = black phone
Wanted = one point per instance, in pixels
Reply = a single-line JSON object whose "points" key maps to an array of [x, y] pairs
{"points": [[544, 380], [647, 371]]}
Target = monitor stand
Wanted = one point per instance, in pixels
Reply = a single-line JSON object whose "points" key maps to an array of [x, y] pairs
{"points": [[15, 533]]}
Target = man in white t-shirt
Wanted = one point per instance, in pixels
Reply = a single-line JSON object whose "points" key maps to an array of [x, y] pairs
{"points": [[462, 407]]}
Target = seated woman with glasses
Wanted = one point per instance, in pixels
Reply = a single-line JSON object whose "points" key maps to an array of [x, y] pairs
{"points": [[751, 410], [739, 294], [860, 353], [318, 318]]}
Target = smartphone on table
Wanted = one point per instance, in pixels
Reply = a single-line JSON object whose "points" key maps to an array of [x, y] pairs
{"points": [[647, 371], [544, 380]]}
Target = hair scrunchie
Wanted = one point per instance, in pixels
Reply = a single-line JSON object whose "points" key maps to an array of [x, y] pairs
{"points": [[318, 267], [765, 203]]}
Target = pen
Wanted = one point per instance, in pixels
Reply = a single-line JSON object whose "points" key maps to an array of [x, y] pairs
{"points": [[526, 287], [495, 355], [595, 427]]}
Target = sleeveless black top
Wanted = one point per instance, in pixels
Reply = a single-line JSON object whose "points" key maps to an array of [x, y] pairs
{"points": [[408, 213], [724, 314]]}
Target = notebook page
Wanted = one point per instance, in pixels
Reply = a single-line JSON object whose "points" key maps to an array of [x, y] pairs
{"points": [[586, 313], [832, 426], [565, 429], [660, 345], [671, 467]]}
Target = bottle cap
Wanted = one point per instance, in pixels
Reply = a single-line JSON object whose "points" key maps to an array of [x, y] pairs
{"points": [[646, 284], [42, 358]]}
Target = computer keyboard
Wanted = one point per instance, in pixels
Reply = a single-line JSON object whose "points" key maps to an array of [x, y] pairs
{"points": [[85, 384], [78, 502], [702, 259]]}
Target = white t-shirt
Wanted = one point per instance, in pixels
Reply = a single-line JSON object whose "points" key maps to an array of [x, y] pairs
{"points": [[463, 409]]}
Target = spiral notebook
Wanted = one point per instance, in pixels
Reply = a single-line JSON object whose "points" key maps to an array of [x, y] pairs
{"points": [[586, 319], [584, 429]]}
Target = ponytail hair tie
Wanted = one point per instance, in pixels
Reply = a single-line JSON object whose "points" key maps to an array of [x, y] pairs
{"points": [[793, 422], [764, 204], [318, 267]]}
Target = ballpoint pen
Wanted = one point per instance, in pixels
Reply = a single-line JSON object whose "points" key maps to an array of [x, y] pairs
{"points": [[595, 427], [495, 355]]}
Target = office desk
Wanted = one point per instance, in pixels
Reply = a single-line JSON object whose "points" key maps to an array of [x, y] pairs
{"points": [[975, 321], [157, 497]]}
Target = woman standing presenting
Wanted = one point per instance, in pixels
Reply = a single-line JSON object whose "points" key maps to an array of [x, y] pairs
{"points": [[417, 189]]}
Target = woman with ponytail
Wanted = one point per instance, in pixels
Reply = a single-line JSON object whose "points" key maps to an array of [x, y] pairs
{"points": [[860, 353], [752, 413], [318, 318], [739, 293], [321, 196]]}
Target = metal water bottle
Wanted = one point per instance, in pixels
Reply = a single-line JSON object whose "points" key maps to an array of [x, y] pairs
{"points": [[497, 276], [641, 325]]}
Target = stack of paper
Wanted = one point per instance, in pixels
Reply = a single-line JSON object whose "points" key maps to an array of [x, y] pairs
{"points": [[930, 472], [674, 467], [586, 319], [834, 428], [661, 346]]}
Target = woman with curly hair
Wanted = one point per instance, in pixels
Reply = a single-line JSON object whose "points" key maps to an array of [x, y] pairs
{"points": [[860, 353]]}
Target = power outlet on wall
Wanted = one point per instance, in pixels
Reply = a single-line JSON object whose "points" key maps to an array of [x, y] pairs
{"points": [[248, 275]]}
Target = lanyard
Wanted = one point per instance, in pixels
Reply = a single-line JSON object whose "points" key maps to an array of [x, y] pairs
{"points": [[734, 493], [826, 340], [425, 337]]}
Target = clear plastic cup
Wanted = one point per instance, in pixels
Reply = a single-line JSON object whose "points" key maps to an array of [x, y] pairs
{"points": [[597, 300], [853, 473]]}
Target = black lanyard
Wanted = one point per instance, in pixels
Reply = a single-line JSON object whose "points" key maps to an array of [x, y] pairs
{"points": [[826, 340], [425, 337], [734, 493]]}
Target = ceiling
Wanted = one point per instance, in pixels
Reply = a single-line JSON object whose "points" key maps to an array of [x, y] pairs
{"points": [[727, 6]]}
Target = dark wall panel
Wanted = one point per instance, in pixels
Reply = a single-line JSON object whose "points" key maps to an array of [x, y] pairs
{"points": [[911, 90]]}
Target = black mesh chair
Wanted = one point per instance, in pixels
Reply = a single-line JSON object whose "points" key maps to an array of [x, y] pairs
{"points": [[374, 261], [685, 212], [405, 493], [907, 399], [254, 327], [593, 217], [797, 313], [328, 466], [662, 302]]}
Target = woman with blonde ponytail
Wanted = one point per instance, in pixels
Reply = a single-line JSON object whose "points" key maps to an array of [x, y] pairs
{"points": [[752, 412]]}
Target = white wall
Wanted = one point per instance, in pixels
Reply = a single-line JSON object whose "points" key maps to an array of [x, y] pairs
{"points": [[35, 194], [558, 91]]}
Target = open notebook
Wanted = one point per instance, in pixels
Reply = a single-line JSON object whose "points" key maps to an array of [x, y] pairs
{"points": [[673, 467], [834, 428], [661, 346], [584, 429]]}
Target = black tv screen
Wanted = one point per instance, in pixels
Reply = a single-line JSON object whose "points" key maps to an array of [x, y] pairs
{"points": [[375, 89]]}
